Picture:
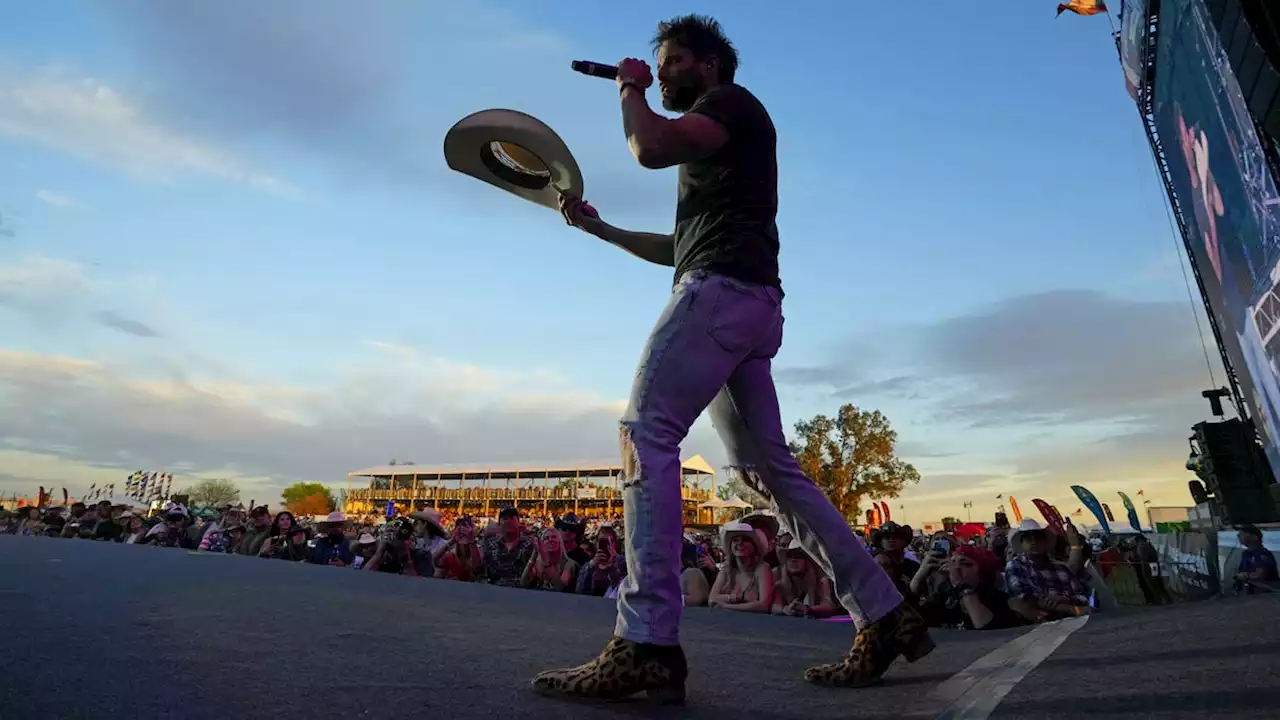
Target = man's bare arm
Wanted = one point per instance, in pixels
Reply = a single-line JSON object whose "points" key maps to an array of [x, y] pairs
{"points": [[658, 142], [656, 248]]}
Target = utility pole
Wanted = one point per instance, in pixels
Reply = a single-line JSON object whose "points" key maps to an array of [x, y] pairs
{"points": [[968, 508]]}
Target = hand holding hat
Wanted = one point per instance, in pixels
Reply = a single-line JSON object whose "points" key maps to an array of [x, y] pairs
{"points": [[579, 213]]}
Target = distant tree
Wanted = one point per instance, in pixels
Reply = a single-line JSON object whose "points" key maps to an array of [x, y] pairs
{"points": [[299, 498], [950, 521], [571, 483], [315, 504], [213, 492], [734, 487], [852, 456]]}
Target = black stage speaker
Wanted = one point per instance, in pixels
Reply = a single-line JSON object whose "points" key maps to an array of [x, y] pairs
{"points": [[1236, 472]]}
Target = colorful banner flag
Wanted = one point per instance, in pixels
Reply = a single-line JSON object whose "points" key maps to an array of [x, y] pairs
{"points": [[1133, 512], [1017, 512], [1083, 7], [1094, 506], [885, 506], [1052, 517], [1107, 511]]}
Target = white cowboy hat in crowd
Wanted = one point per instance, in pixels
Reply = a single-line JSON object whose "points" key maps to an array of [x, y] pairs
{"points": [[333, 517], [738, 529], [366, 539], [514, 152], [796, 549], [1027, 525]]}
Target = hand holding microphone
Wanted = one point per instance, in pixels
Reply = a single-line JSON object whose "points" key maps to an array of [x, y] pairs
{"points": [[631, 71]]}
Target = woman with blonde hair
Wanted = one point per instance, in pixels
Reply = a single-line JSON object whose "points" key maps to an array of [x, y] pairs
{"points": [[801, 590], [550, 568], [745, 583]]}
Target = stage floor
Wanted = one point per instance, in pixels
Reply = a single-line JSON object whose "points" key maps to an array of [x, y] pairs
{"points": [[100, 630]]}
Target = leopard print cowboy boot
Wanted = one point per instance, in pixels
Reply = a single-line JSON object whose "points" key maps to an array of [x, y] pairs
{"points": [[901, 632], [622, 670]]}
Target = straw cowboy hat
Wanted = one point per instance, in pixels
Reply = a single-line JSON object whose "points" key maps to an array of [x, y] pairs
{"points": [[432, 517], [514, 152], [738, 529]]}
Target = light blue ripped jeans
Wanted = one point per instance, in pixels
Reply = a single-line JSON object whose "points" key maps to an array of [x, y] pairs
{"points": [[713, 347]]}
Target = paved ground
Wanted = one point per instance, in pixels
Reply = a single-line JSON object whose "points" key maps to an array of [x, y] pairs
{"points": [[108, 631]]}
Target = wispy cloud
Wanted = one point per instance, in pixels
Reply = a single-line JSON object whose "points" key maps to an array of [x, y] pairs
{"points": [[84, 117], [1034, 393], [50, 197], [129, 326]]}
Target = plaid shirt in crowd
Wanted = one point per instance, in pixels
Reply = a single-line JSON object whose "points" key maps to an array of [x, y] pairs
{"points": [[1035, 579], [503, 566]]}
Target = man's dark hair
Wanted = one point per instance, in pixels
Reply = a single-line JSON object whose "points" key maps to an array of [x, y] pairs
{"points": [[702, 36]]}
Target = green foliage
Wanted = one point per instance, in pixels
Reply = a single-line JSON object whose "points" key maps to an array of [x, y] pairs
{"points": [[213, 492], [300, 494], [851, 457]]}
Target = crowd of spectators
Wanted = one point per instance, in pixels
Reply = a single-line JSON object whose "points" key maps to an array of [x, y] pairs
{"points": [[1005, 578]]}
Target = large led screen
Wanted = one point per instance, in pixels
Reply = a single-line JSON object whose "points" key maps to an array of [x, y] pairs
{"points": [[1228, 199]]}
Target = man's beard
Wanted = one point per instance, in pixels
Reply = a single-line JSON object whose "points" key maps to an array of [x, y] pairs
{"points": [[681, 98]]}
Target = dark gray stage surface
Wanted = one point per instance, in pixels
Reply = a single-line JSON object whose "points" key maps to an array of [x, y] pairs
{"points": [[108, 631]]}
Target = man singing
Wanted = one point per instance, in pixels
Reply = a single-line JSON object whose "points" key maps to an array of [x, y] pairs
{"points": [[712, 347]]}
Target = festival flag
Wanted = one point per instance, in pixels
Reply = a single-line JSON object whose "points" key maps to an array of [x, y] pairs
{"points": [[1091, 502], [1051, 515], [1133, 512], [1017, 512], [65, 498], [885, 506], [1107, 511], [871, 518], [1083, 7]]}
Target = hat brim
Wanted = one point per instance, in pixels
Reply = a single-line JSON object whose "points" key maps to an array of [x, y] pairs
{"points": [[515, 152], [773, 525], [757, 538]]}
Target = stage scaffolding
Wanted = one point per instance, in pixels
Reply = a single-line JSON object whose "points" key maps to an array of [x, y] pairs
{"points": [[588, 489]]}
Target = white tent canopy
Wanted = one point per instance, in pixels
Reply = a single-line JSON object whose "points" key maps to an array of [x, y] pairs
{"points": [[734, 502]]}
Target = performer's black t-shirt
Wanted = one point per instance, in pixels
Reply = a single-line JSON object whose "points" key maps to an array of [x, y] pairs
{"points": [[726, 217]]}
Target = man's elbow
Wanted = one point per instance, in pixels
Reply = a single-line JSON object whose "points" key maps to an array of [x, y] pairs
{"points": [[651, 158], [652, 155]]}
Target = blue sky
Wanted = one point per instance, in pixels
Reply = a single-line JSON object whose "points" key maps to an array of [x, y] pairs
{"points": [[236, 250]]}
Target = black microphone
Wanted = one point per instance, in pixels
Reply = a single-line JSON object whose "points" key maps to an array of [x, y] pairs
{"points": [[594, 69]]}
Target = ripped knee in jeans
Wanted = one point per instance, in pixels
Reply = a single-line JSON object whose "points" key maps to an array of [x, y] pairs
{"points": [[630, 457], [749, 477]]}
